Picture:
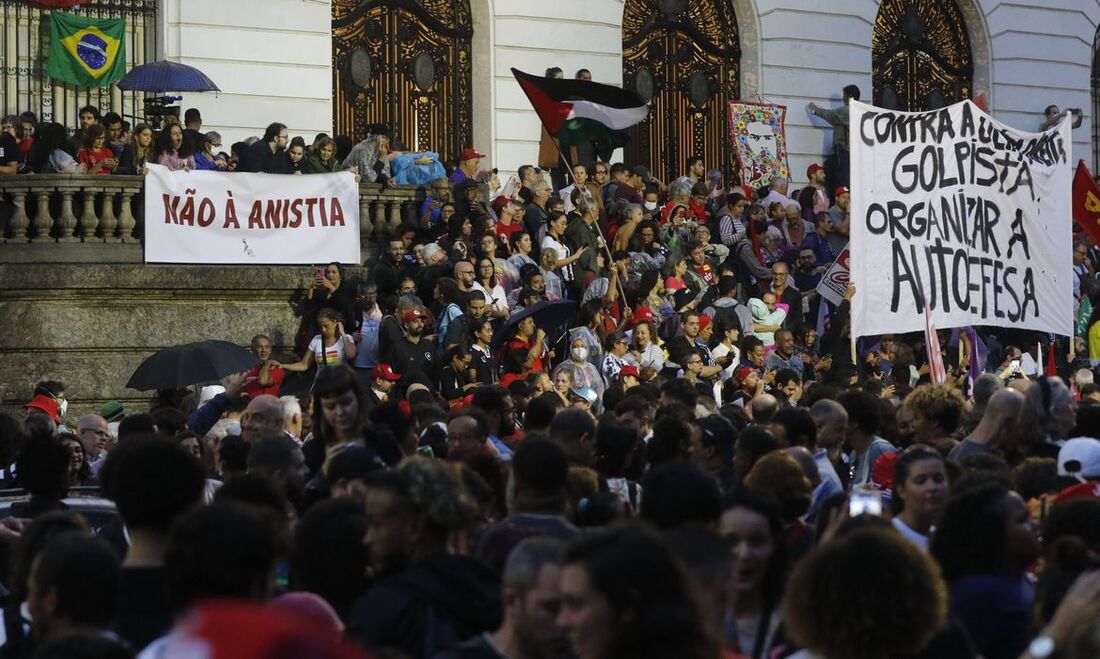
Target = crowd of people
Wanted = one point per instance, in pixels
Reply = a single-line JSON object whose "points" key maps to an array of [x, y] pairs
{"points": [[702, 464]]}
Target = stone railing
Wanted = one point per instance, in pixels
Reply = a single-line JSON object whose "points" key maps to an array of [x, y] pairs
{"points": [[83, 208]]}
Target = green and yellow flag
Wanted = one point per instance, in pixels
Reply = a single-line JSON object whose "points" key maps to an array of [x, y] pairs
{"points": [[89, 52]]}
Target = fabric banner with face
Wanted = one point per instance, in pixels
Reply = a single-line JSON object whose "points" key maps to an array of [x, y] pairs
{"points": [[759, 139], [953, 209], [250, 219]]}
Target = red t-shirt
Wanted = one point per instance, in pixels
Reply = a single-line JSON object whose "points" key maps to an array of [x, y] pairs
{"points": [[255, 389], [505, 231], [707, 273], [518, 343], [91, 157]]}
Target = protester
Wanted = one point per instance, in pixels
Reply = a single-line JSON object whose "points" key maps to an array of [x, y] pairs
{"points": [[642, 408]]}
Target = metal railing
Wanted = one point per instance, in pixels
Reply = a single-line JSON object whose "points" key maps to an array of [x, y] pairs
{"points": [[24, 40], [83, 208]]}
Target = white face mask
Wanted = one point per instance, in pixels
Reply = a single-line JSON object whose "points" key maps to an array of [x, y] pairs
{"points": [[580, 354], [651, 205]]}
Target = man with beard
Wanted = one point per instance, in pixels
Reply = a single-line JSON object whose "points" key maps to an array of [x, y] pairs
{"points": [[425, 598], [531, 598], [268, 154], [816, 174], [389, 270], [413, 356]]}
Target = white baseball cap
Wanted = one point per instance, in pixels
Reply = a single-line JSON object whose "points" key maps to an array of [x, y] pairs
{"points": [[1080, 458], [208, 392]]}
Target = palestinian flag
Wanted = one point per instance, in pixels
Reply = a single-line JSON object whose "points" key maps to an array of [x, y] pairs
{"points": [[579, 111]]}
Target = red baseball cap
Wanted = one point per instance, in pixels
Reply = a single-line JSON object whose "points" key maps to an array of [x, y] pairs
{"points": [[385, 372], [413, 314], [743, 372], [500, 202], [44, 403], [629, 369], [704, 321], [470, 154], [643, 315], [813, 169], [842, 190]]}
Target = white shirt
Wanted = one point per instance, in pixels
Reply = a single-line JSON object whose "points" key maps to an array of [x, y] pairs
{"points": [[496, 297], [909, 534], [329, 355]]}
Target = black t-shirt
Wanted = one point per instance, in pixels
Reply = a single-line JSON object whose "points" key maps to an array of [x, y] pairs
{"points": [[484, 365], [414, 361], [9, 150], [143, 614]]}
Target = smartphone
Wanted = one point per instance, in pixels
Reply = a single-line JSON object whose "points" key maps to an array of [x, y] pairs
{"points": [[1014, 366], [864, 502], [319, 273]]}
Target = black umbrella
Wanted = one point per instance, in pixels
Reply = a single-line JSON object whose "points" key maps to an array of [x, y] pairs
{"points": [[193, 363], [552, 317]]}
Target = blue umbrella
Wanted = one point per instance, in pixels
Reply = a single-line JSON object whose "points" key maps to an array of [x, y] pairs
{"points": [[553, 317], [166, 77]]}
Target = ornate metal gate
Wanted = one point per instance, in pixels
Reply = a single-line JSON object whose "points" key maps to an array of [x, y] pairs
{"points": [[683, 56], [920, 55], [405, 64]]}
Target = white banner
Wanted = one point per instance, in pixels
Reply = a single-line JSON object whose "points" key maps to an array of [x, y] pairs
{"points": [[953, 208], [254, 219]]}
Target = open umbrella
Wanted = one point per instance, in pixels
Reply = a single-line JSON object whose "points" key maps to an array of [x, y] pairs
{"points": [[193, 363], [552, 317], [166, 76]]}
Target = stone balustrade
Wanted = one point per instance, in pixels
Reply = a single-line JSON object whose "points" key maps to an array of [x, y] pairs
{"points": [[66, 208]]}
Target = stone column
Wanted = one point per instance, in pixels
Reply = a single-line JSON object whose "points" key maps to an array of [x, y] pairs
{"points": [[20, 223], [43, 221], [126, 222], [107, 216], [66, 221], [366, 227], [88, 220]]}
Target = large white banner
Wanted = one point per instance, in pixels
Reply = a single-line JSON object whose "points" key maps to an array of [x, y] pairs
{"points": [[954, 209], [255, 219]]}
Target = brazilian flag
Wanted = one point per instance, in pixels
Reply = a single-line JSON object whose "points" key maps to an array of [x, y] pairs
{"points": [[89, 52]]}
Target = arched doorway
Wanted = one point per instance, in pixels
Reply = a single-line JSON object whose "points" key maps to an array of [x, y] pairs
{"points": [[683, 56], [405, 64], [920, 55]]}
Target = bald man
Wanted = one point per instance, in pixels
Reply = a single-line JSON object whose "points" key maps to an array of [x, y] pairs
{"points": [[997, 422], [92, 431], [262, 417]]}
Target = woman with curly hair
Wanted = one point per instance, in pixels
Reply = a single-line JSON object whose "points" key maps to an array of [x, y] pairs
{"points": [[429, 594], [985, 543], [626, 596], [937, 411], [866, 594]]}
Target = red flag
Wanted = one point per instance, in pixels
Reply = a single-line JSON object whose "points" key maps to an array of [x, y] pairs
{"points": [[936, 371], [1051, 370], [1086, 201]]}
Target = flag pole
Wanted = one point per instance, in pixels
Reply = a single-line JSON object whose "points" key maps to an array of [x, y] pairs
{"points": [[606, 246]]}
